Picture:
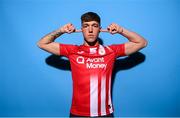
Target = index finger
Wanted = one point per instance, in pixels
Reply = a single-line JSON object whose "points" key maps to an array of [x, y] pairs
{"points": [[78, 30], [104, 30]]}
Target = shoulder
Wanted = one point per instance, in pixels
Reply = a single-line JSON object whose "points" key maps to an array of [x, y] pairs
{"points": [[116, 45], [68, 46], [67, 49], [119, 49]]}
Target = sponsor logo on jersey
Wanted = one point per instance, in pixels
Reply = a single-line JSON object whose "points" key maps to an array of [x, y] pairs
{"points": [[80, 60], [92, 62]]}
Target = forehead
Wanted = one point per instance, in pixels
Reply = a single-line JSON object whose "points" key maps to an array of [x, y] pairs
{"points": [[90, 23]]}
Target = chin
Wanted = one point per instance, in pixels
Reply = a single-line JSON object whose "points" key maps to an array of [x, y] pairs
{"points": [[91, 41]]}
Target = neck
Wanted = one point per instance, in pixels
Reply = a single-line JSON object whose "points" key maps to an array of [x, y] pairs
{"points": [[91, 43]]}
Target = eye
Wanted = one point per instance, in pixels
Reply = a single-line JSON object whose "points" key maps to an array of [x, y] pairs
{"points": [[85, 26], [95, 25]]}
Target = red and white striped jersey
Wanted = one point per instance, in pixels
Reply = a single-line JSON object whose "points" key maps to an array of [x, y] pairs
{"points": [[91, 74]]}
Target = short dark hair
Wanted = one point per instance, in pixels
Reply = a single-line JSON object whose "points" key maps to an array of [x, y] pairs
{"points": [[90, 16]]}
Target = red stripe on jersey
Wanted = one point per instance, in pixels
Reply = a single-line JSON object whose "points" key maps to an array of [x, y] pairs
{"points": [[107, 96], [110, 101], [99, 95], [81, 103]]}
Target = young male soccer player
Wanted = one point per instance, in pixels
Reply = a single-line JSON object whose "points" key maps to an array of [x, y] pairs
{"points": [[92, 63]]}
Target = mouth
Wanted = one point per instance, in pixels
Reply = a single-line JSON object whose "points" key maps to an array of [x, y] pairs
{"points": [[91, 35]]}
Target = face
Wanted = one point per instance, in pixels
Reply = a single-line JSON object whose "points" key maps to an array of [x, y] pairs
{"points": [[90, 31]]}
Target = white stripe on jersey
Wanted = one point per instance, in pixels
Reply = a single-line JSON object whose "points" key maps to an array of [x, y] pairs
{"points": [[93, 95], [103, 96]]}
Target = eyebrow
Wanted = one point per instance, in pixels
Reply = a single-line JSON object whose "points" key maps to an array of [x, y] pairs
{"points": [[90, 24]]}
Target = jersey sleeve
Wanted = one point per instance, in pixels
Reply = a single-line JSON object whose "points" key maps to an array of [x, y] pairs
{"points": [[66, 49], [119, 49]]}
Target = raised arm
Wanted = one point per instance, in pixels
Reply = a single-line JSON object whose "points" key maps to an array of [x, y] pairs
{"points": [[136, 42], [47, 42]]}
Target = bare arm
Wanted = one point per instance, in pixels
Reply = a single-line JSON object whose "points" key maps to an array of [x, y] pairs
{"points": [[136, 42], [47, 42]]}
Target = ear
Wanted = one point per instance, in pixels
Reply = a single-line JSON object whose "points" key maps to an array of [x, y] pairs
{"points": [[100, 29], [82, 30]]}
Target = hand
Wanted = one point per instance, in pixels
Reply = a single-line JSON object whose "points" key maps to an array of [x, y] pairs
{"points": [[113, 29], [68, 28]]}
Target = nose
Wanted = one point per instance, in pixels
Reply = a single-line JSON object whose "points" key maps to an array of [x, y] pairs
{"points": [[90, 29]]}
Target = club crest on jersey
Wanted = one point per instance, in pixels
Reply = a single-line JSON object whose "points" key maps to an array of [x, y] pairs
{"points": [[101, 50]]}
